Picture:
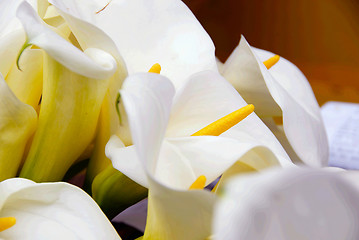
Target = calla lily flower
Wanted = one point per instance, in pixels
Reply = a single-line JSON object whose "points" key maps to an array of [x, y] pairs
{"points": [[145, 32], [289, 203], [169, 166], [74, 86], [29, 210], [281, 90], [148, 32]]}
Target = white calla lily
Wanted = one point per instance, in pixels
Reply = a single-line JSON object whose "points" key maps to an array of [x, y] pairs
{"points": [[85, 77], [51, 211], [168, 166], [284, 91], [289, 203], [148, 32]]}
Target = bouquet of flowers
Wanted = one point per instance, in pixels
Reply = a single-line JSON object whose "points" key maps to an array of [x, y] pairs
{"points": [[126, 99]]}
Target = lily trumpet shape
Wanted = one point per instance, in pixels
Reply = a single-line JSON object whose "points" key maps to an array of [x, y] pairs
{"points": [[280, 89], [64, 212], [18, 122], [168, 166], [74, 86], [145, 32], [294, 203]]}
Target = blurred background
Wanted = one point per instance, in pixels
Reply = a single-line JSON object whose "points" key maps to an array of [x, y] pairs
{"points": [[320, 36]]}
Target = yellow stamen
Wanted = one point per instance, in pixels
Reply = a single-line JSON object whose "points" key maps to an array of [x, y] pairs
{"points": [[271, 61], [200, 183], [223, 124], [7, 222], [156, 68]]}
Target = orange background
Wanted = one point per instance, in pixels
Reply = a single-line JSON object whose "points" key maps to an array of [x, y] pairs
{"points": [[320, 36]]}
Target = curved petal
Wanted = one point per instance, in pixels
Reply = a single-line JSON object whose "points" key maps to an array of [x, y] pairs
{"points": [[90, 36], [183, 160], [242, 70], [147, 98], [178, 214], [18, 122], [8, 21], [95, 63], [125, 159], [206, 97], [27, 82], [285, 85], [12, 35], [148, 32], [288, 204], [64, 212]]}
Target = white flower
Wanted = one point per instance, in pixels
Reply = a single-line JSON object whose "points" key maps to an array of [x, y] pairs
{"points": [[168, 166], [147, 32], [50, 211], [289, 203], [283, 91], [74, 86]]}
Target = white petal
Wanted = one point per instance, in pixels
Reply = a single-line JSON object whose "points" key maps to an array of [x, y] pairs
{"points": [[53, 211], [8, 21], [95, 64], [207, 97], [242, 70], [183, 160], [12, 35], [204, 98], [178, 214], [302, 121], [125, 159], [148, 32], [288, 204], [147, 98], [286, 86]]}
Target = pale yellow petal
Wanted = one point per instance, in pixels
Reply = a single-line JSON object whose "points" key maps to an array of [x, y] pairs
{"points": [[27, 82], [67, 122], [17, 124]]}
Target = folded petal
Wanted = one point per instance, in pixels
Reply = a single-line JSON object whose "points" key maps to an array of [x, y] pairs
{"points": [[74, 86], [18, 122], [12, 35], [178, 214], [64, 212], [288, 204], [285, 86], [99, 67], [27, 82], [90, 36], [183, 160], [206, 97], [125, 159], [147, 98], [148, 32]]}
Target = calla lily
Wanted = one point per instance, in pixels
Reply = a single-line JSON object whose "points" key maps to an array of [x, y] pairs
{"points": [[288, 204], [150, 31], [169, 166], [74, 86], [17, 124], [145, 32], [281, 90], [29, 210]]}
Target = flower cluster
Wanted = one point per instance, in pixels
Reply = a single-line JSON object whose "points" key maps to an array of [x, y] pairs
{"points": [[129, 95]]}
